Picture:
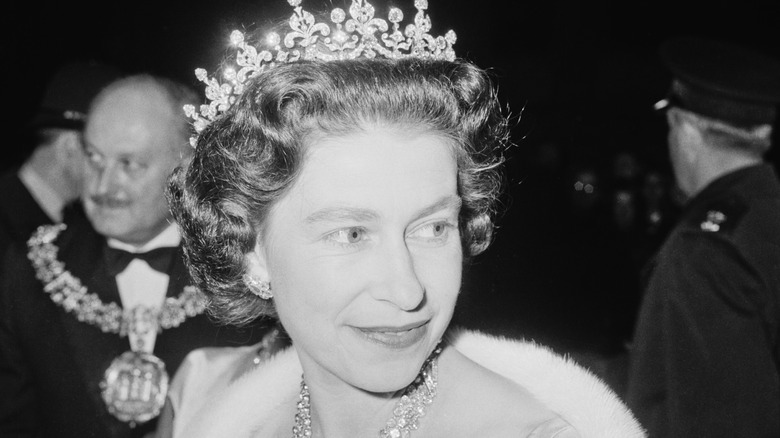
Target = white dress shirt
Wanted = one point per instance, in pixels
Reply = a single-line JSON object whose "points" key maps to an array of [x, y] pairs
{"points": [[140, 285]]}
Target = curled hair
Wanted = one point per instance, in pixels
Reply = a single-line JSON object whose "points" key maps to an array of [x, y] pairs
{"points": [[246, 159]]}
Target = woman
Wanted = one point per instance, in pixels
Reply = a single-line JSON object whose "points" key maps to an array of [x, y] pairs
{"points": [[343, 192]]}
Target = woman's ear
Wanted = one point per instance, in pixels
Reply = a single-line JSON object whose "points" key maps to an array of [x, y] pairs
{"points": [[256, 263]]}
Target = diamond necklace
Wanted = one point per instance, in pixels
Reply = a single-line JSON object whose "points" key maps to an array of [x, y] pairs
{"points": [[406, 414]]}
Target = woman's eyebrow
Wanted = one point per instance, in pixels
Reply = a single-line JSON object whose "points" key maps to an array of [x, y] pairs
{"points": [[354, 214], [338, 214], [449, 202]]}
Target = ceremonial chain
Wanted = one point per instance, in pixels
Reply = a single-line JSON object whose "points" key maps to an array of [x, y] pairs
{"points": [[406, 414], [69, 293]]}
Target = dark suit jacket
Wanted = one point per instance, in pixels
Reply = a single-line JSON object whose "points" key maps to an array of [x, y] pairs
{"points": [[20, 214], [51, 364]]}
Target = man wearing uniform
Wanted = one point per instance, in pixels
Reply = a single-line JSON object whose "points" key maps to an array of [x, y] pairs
{"points": [[705, 359], [97, 313]]}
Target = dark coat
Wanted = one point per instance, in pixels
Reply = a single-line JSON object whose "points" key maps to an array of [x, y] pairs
{"points": [[51, 364], [20, 214], [706, 358]]}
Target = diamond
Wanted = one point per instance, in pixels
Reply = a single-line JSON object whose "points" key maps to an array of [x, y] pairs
{"points": [[337, 15], [395, 15], [362, 35]]}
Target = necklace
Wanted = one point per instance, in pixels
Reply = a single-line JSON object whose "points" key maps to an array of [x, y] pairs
{"points": [[135, 384], [406, 414], [69, 293]]}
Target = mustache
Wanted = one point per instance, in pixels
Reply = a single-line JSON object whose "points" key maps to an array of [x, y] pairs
{"points": [[109, 201]]}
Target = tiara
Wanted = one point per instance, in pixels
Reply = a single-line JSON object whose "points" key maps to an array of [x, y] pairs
{"points": [[359, 36]]}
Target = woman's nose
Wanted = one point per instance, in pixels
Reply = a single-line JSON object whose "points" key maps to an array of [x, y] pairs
{"points": [[399, 281]]}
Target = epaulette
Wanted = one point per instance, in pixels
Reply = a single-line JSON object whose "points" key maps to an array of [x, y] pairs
{"points": [[722, 216]]}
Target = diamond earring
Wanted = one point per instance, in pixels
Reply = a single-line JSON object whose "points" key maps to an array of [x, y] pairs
{"points": [[258, 287]]}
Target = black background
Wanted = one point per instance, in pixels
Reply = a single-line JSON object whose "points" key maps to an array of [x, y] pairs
{"points": [[582, 76]]}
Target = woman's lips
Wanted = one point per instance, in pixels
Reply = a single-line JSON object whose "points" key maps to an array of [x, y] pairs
{"points": [[395, 337]]}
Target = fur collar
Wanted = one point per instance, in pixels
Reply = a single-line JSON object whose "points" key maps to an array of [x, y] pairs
{"points": [[577, 395]]}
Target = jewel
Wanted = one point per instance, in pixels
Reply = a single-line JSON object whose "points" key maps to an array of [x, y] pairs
{"points": [[69, 293], [273, 39], [134, 387], [131, 395], [362, 35], [406, 414], [337, 15], [395, 15]]}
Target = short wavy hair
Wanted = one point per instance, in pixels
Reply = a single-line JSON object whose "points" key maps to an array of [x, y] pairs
{"points": [[247, 158]]}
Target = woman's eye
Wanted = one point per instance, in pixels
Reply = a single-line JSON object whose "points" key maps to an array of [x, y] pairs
{"points": [[348, 236], [438, 229], [435, 231]]}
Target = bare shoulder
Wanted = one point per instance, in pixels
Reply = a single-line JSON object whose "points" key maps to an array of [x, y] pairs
{"points": [[520, 385], [480, 402]]}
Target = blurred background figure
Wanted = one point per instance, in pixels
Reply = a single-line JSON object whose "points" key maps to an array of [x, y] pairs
{"points": [[97, 312], [705, 360], [625, 201], [50, 176], [660, 208]]}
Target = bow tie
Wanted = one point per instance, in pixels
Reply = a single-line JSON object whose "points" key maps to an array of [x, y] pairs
{"points": [[159, 258]]}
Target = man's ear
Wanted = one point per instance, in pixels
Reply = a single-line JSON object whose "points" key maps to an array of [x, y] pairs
{"points": [[691, 139], [69, 146], [70, 153], [695, 145]]}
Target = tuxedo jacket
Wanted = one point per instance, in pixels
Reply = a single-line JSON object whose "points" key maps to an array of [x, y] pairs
{"points": [[20, 214], [51, 364]]}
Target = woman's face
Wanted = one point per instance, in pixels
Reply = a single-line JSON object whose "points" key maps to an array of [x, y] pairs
{"points": [[364, 256]]}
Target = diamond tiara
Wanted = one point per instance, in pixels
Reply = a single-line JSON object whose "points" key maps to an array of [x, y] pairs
{"points": [[359, 36]]}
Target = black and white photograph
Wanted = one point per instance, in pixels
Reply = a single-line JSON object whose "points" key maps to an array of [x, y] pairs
{"points": [[393, 218]]}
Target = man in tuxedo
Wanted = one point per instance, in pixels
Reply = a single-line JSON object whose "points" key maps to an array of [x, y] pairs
{"points": [[98, 312], [50, 175]]}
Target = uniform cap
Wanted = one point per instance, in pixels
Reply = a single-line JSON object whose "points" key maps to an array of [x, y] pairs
{"points": [[722, 80], [69, 92]]}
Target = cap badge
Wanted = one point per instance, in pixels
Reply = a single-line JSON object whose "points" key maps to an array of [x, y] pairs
{"points": [[714, 219]]}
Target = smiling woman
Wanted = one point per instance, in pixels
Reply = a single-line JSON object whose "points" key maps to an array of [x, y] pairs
{"points": [[343, 192], [383, 272]]}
